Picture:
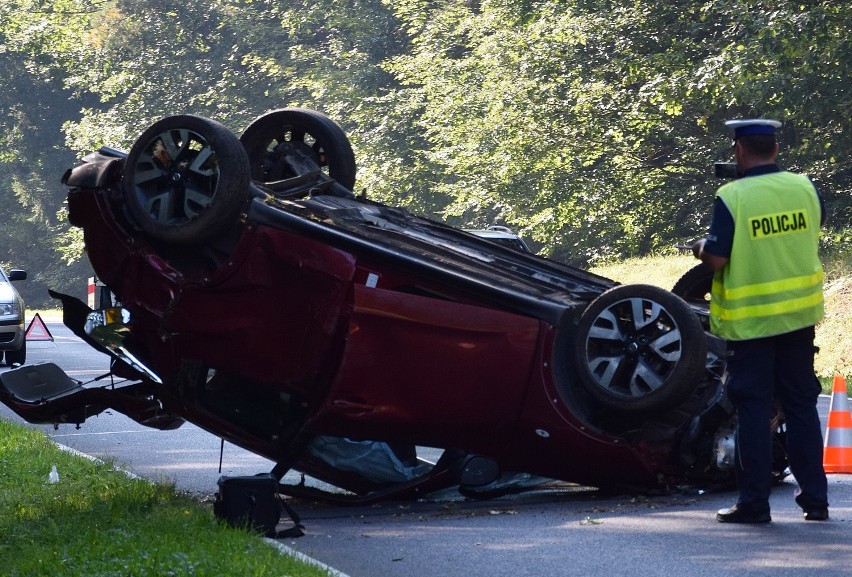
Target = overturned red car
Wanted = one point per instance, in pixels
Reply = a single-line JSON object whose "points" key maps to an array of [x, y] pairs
{"points": [[257, 297]]}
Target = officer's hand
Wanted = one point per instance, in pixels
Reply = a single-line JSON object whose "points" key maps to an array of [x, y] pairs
{"points": [[698, 247]]}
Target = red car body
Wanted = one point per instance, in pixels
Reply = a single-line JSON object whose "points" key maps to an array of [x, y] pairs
{"points": [[322, 314]]}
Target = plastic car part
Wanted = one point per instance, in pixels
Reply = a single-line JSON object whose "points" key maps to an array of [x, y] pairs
{"points": [[97, 168], [639, 349], [289, 142], [111, 327], [441, 476], [185, 179], [19, 356], [44, 394], [374, 460]]}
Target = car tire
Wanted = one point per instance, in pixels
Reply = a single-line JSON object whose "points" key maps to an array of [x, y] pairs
{"points": [[639, 350], [695, 284], [19, 356], [185, 180], [288, 142]]}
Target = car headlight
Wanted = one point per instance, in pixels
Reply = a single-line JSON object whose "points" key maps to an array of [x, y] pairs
{"points": [[9, 309]]}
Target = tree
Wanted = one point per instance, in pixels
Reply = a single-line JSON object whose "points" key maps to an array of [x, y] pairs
{"points": [[590, 126], [35, 105]]}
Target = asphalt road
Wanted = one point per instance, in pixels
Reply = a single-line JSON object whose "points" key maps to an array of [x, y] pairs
{"points": [[561, 530], [189, 457]]}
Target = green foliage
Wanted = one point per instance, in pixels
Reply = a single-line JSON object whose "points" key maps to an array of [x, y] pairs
{"points": [[590, 126], [35, 39]]}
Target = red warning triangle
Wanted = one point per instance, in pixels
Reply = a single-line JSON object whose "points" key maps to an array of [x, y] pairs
{"points": [[37, 331]]}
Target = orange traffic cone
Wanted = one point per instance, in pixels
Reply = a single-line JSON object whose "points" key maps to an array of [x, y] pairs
{"points": [[837, 457]]}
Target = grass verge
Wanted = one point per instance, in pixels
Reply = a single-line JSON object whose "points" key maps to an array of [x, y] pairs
{"points": [[833, 333], [47, 315], [98, 522]]}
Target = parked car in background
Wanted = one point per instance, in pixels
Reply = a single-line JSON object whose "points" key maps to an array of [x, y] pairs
{"points": [[13, 343]]}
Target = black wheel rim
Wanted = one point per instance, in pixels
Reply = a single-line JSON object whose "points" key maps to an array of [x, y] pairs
{"points": [[633, 346], [176, 176], [291, 144]]}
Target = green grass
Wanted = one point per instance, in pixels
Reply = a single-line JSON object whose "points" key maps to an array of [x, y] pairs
{"points": [[833, 333], [47, 315], [99, 522]]}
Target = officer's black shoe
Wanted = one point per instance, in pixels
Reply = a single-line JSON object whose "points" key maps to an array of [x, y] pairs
{"points": [[739, 515], [820, 514]]}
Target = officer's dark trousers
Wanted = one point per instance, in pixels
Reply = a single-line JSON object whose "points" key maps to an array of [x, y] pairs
{"points": [[758, 371]]}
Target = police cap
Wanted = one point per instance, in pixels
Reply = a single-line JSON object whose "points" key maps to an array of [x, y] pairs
{"points": [[746, 126]]}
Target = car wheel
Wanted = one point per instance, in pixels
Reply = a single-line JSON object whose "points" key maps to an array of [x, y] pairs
{"points": [[695, 284], [639, 349], [17, 357], [185, 179], [289, 142]]}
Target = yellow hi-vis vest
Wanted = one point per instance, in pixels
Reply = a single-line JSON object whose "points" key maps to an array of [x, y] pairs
{"points": [[772, 283]]}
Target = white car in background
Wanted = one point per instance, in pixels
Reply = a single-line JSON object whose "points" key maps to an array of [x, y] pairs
{"points": [[13, 343]]}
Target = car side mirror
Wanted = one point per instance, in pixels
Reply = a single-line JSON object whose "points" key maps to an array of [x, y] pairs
{"points": [[17, 274]]}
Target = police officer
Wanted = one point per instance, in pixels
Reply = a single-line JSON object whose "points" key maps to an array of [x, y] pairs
{"points": [[765, 300]]}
